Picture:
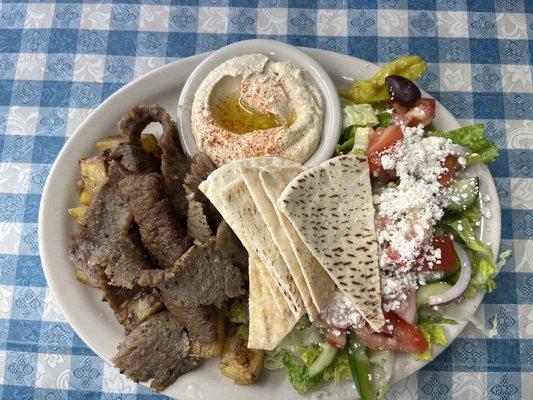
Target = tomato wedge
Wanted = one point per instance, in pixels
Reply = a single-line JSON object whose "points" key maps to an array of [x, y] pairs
{"points": [[380, 141], [447, 262], [422, 112], [452, 166], [384, 138], [410, 339], [404, 337]]}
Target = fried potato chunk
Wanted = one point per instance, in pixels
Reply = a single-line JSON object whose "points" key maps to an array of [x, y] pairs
{"points": [[240, 363]]}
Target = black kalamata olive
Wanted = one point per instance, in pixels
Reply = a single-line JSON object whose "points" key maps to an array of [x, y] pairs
{"points": [[402, 90]]}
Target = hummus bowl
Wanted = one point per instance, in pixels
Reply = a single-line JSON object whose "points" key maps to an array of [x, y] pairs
{"points": [[280, 54]]}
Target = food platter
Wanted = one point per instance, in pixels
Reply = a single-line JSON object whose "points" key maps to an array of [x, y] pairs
{"points": [[94, 322]]}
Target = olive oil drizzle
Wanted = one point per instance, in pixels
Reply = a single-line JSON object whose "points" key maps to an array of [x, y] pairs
{"points": [[233, 114]]}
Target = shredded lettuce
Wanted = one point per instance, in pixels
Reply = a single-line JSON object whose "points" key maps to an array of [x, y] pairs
{"points": [[309, 354], [304, 334], [238, 312], [483, 265], [360, 141], [463, 225], [346, 147], [384, 119], [473, 138], [433, 330], [347, 133], [339, 370], [297, 373], [433, 334], [359, 114]]}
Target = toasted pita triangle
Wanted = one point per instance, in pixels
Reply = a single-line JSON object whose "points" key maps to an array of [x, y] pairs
{"points": [[268, 325], [318, 282], [330, 206], [270, 218], [226, 189]]}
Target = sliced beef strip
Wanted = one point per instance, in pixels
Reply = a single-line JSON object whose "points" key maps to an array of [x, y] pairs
{"points": [[174, 163], [131, 153], [156, 349], [101, 247], [229, 243], [197, 226], [206, 276], [201, 167], [161, 232], [200, 322]]}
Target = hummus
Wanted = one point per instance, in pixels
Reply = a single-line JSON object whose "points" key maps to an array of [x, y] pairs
{"points": [[251, 106]]}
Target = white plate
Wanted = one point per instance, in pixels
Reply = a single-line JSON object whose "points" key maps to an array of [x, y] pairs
{"points": [[94, 321]]}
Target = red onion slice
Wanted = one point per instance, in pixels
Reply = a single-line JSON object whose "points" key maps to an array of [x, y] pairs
{"points": [[461, 285]]}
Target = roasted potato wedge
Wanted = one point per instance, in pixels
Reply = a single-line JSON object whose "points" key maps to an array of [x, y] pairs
{"points": [[139, 308], [240, 363], [83, 278], [85, 198], [214, 349], [77, 213], [93, 172], [148, 141], [109, 142]]}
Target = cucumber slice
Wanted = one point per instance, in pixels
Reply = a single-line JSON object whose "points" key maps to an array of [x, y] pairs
{"points": [[324, 360], [462, 194], [424, 293]]}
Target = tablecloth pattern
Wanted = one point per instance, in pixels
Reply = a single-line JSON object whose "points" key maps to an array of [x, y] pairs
{"points": [[59, 60]]}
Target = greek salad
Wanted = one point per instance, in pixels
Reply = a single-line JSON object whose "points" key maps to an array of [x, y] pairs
{"points": [[427, 214]]}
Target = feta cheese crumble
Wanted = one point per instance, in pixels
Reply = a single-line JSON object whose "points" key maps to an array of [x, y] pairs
{"points": [[407, 212]]}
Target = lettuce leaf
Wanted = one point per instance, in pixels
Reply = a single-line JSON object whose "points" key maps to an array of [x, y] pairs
{"points": [[473, 138], [340, 369], [360, 115], [483, 265], [238, 312], [433, 334], [433, 330], [309, 354], [384, 119], [297, 373]]}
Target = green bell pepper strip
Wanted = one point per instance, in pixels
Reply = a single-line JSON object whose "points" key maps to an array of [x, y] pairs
{"points": [[360, 368]]}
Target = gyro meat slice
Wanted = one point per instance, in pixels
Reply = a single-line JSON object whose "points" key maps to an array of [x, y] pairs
{"points": [[102, 248], [155, 349], [174, 163], [197, 225], [201, 168], [227, 242], [161, 232], [131, 153], [205, 275], [200, 322]]}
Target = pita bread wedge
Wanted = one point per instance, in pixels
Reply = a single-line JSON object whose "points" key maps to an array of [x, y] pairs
{"points": [[241, 213], [268, 325], [226, 189], [270, 218], [330, 206], [319, 284]]}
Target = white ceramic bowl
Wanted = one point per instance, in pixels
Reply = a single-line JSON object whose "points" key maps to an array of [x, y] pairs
{"points": [[277, 51]]}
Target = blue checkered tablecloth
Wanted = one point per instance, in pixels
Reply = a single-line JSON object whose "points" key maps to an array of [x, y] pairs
{"points": [[60, 60]]}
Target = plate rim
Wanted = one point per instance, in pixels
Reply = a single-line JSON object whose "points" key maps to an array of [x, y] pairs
{"points": [[45, 195]]}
